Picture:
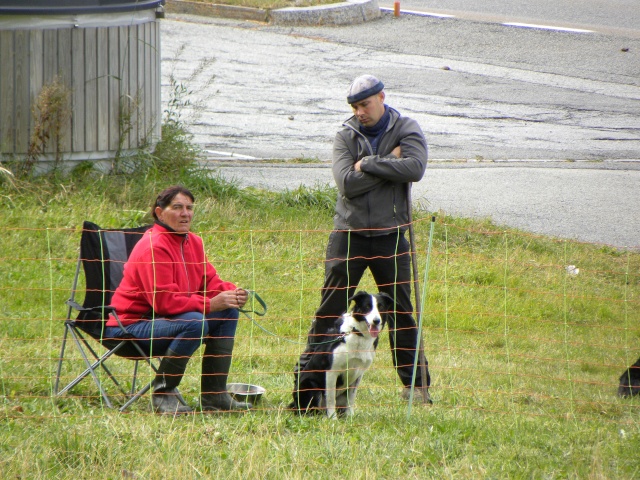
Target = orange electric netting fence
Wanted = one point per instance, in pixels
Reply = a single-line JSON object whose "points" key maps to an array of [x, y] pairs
{"points": [[511, 322]]}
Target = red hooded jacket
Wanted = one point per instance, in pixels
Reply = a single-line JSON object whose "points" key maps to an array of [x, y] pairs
{"points": [[167, 274]]}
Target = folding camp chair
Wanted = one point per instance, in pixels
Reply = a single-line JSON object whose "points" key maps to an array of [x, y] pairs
{"points": [[103, 253]]}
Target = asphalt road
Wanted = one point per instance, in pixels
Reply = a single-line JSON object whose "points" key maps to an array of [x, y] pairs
{"points": [[536, 129], [605, 16]]}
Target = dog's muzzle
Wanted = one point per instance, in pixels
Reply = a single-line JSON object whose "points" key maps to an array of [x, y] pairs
{"points": [[374, 328]]}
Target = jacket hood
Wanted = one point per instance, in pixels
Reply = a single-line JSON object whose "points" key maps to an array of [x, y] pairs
{"points": [[163, 228], [353, 123]]}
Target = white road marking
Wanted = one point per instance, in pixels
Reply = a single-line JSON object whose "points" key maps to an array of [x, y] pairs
{"points": [[422, 14], [506, 24], [230, 155], [547, 27]]}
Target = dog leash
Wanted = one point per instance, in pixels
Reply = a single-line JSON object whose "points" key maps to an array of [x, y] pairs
{"points": [[262, 313], [258, 299]]}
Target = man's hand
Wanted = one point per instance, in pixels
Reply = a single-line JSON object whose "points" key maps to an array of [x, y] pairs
{"points": [[229, 299], [396, 152]]}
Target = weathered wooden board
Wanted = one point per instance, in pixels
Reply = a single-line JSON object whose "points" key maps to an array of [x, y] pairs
{"points": [[113, 76]]}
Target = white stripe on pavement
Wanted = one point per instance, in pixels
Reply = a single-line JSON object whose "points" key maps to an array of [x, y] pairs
{"points": [[506, 24], [547, 27], [415, 12], [230, 155]]}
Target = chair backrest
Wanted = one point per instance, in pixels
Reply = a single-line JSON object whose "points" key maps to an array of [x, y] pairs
{"points": [[104, 253]]}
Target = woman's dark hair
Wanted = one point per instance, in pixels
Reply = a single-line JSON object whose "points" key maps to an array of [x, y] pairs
{"points": [[167, 195]]}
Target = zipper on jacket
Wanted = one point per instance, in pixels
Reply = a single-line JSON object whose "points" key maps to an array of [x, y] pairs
{"points": [[368, 145], [184, 264]]}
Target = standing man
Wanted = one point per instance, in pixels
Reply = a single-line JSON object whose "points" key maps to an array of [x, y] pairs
{"points": [[376, 155]]}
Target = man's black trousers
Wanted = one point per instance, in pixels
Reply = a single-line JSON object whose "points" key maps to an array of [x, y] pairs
{"points": [[388, 258]]}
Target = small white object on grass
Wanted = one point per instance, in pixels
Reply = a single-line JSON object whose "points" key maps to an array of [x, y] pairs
{"points": [[573, 270]]}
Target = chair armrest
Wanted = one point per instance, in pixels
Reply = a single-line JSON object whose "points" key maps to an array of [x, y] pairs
{"points": [[115, 315], [99, 308]]}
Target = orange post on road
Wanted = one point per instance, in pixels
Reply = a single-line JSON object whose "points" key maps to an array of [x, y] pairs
{"points": [[396, 9]]}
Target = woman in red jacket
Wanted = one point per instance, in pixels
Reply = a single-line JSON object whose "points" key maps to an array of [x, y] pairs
{"points": [[172, 300]]}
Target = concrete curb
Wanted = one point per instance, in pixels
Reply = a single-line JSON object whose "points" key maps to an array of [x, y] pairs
{"points": [[214, 10], [344, 13]]}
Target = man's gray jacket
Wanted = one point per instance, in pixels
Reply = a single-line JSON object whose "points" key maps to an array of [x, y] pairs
{"points": [[375, 201]]}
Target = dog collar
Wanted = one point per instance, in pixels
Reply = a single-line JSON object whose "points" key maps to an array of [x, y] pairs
{"points": [[357, 332]]}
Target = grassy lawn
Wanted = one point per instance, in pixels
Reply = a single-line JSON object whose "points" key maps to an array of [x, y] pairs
{"points": [[269, 4], [525, 358]]}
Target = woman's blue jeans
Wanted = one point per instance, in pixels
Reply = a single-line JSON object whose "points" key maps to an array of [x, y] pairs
{"points": [[183, 334]]}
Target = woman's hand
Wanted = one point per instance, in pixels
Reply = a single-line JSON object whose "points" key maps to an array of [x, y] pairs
{"points": [[229, 299]]}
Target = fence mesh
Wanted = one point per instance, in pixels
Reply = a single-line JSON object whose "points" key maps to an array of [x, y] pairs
{"points": [[511, 322]]}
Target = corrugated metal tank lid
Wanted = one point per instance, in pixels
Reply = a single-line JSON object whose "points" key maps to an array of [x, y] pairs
{"points": [[67, 7]]}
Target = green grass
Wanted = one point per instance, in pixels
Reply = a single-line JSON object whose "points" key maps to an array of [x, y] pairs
{"points": [[269, 4], [525, 358]]}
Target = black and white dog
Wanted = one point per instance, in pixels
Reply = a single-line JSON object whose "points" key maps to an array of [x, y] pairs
{"points": [[630, 381], [338, 361]]}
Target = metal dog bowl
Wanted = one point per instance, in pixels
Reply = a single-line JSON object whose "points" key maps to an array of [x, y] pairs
{"points": [[245, 392]]}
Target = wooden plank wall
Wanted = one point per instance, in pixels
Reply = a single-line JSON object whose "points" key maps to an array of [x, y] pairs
{"points": [[7, 132], [107, 69]]}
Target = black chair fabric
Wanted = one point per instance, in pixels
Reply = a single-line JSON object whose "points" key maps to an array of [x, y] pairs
{"points": [[103, 254]]}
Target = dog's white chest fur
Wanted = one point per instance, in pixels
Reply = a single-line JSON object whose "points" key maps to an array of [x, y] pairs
{"points": [[351, 359], [329, 378], [355, 356]]}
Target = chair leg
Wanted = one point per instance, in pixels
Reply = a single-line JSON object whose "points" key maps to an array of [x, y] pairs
{"points": [[135, 377], [91, 370], [136, 397], [60, 358], [155, 370], [93, 367], [101, 361]]}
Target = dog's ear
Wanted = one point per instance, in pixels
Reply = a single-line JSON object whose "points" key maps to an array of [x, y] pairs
{"points": [[386, 301], [358, 296]]}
